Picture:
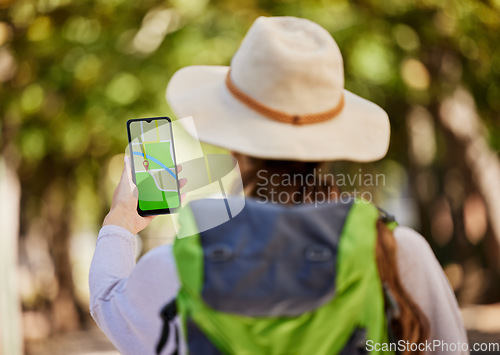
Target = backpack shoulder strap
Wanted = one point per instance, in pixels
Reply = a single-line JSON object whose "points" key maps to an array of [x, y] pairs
{"points": [[168, 314], [392, 306]]}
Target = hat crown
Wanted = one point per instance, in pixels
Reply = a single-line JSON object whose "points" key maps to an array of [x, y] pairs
{"points": [[289, 64]]}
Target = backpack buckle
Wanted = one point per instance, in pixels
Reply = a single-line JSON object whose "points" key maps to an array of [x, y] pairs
{"points": [[385, 216]]}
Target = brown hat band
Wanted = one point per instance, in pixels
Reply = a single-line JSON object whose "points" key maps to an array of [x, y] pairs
{"points": [[280, 115]]}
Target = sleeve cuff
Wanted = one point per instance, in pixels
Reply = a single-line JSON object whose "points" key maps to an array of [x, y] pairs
{"points": [[115, 230]]}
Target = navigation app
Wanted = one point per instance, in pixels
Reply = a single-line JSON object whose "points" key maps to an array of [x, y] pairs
{"points": [[154, 164]]}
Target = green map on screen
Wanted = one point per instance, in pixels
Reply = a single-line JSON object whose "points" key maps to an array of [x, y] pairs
{"points": [[154, 167]]}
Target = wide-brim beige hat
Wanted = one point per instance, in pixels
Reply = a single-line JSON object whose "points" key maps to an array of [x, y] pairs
{"points": [[283, 97]]}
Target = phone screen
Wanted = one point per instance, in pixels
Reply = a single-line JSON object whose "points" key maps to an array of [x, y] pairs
{"points": [[154, 167]]}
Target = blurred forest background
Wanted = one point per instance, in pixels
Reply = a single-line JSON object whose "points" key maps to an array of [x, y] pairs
{"points": [[73, 72]]}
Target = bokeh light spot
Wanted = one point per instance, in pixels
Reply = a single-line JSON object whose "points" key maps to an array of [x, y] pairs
{"points": [[124, 89], [7, 65], [5, 33], [475, 218], [88, 68], [22, 13], [33, 144], [372, 60], [415, 75], [442, 222], [190, 7], [82, 30], [40, 29], [406, 37], [32, 98], [422, 136], [455, 275]]}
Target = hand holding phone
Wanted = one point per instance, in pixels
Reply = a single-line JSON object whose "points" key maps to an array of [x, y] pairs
{"points": [[123, 212], [154, 168]]}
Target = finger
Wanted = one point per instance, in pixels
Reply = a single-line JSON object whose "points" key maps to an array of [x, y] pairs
{"points": [[124, 177], [128, 171], [125, 187], [182, 182], [135, 190], [183, 196], [127, 167], [179, 168]]}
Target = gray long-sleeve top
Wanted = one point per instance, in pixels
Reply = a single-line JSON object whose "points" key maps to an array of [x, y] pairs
{"points": [[126, 298]]}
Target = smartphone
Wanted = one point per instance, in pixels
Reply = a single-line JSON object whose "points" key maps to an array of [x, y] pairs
{"points": [[154, 168]]}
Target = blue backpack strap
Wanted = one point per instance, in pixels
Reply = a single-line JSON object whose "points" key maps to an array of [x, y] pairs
{"points": [[391, 313], [168, 314], [356, 344], [197, 341]]}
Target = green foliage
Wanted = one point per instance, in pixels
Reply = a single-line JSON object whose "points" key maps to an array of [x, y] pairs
{"points": [[81, 69]]}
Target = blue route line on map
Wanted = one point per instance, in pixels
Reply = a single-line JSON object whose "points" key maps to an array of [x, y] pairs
{"points": [[157, 162]]}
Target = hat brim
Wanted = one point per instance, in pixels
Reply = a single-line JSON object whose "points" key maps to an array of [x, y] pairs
{"points": [[361, 132]]}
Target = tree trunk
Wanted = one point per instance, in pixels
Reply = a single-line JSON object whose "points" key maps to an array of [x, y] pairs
{"points": [[10, 305]]}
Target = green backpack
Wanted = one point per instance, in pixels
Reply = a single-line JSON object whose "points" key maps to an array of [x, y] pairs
{"points": [[279, 280]]}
